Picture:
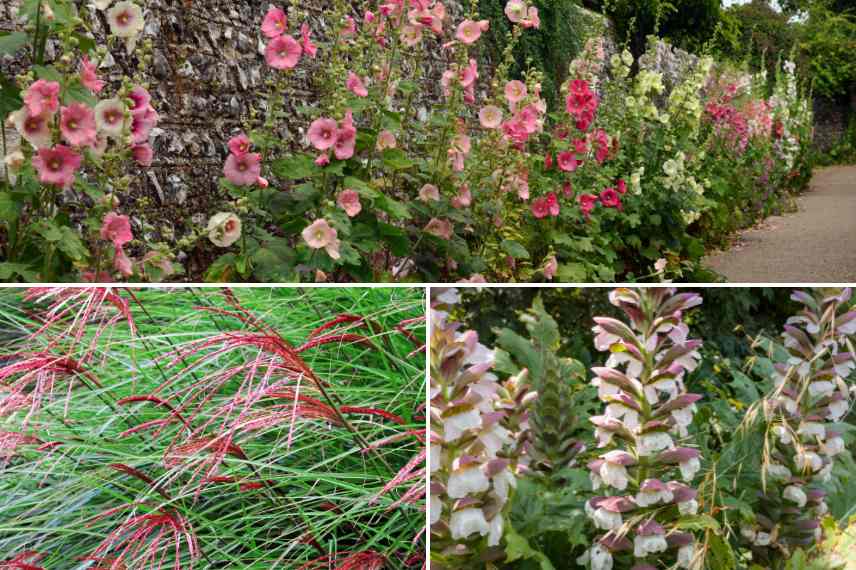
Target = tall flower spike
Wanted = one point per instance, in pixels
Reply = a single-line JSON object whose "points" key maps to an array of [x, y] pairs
{"points": [[472, 451], [647, 414], [552, 446], [811, 395]]}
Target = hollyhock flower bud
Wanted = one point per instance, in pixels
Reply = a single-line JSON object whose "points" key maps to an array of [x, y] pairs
{"points": [[319, 234], [224, 229], [349, 201]]}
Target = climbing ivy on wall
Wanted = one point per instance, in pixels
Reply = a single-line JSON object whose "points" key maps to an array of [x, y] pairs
{"points": [[550, 49]]}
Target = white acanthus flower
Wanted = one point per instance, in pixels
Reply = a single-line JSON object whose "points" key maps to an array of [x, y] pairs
{"points": [[689, 468], [779, 472], [454, 426], [837, 410], [502, 482], [783, 433], [833, 446], [607, 520], [494, 535], [435, 506], [467, 521], [686, 553], [810, 429], [809, 460], [494, 438], [600, 558], [763, 539], [652, 442], [821, 388], [688, 507], [466, 480], [614, 475], [651, 544], [434, 453], [795, 495]]}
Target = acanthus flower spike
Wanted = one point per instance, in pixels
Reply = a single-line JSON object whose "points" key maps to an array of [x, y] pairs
{"points": [[647, 414]]}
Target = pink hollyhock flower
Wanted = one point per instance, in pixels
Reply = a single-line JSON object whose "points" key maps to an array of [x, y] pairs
{"points": [[244, 169], [309, 48], [469, 31], [240, 144], [143, 154], [275, 23], [355, 85], [490, 116], [349, 201], [548, 161], [77, 125], [141, 100], [581, 146], [323, 159], [385, 140], [350, 28], [411, 35], [89, 76], [464, 198], [532, 19], [33, 128], [42, 97], [440, 228], [122, 263], [528, 117], [56, 166], [550, 267], [602, 145], [567, 190], [552, 203], [515, 10], [429, 192], [368, 17], [142, 125], [540, 208], [319, 234], [110, 117], [610, 198], [515, 91], [587, 203], [567, 161], [323, 133], [116, 228], [621, 186], [346, 138], [283, 52]]}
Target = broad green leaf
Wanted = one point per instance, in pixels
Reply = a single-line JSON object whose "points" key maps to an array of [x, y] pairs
{"points": [[515, 249], [71, 244], [571, 272], [9, 270], [698, 522], [518, 548], [222, 270], [10, 42], [396, 159], [295, 167], [9, 208]]}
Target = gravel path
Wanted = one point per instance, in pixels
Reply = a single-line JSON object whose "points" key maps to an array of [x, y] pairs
{"points": [[815, 244]]}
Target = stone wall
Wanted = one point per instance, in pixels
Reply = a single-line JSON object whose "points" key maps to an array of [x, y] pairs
{"points": [[830, 122]]}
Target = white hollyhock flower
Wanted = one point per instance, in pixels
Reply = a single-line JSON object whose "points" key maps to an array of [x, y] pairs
{"points": [[470, 479], [795, 495], [645, 545], [689, 468], [686, 554], [607, 520], [467, 521], [435, 506], [454, 426], [652, 442]]}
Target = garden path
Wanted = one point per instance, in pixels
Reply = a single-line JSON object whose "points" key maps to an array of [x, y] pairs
{"points": [[815, 244]]}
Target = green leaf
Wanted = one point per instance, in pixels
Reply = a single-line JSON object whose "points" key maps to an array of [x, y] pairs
{"points": [[396, 159], [571, 272], [698, 522], [360, 187], [47, 72], [10, 97], [393, 207], [10, 42], [274, 263], [295, 167], [8, 270], [518, 548], [71, 244], [222, 270], [720, 554], [515, 249], [77, 93], [9, 208]]}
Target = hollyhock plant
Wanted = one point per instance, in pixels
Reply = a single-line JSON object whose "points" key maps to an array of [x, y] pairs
{"points": [[356, 86], [110, 117], [811, 395], [474, 455], [323, 133], [275, 23], [35, 129], [646, 414], [240, 144]]}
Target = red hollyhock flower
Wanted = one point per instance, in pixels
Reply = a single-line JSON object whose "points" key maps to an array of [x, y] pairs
{"points": [[610, 198], [587, 203], [621, 186]]}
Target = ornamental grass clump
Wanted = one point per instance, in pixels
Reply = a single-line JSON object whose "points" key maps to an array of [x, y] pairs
{"points": [[211, 429], [647, 468], [811, 396], [475, 457]]}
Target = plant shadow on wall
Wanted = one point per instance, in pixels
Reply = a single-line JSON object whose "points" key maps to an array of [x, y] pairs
{"points": [[610, 166], [212, 428], [657, 450]]}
